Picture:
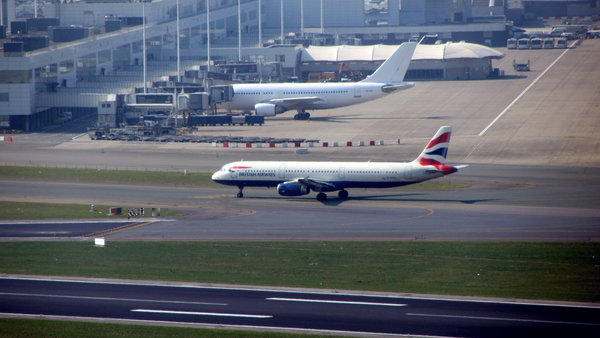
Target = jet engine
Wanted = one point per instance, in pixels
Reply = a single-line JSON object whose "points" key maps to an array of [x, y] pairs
{"points": [[292, 189], [268, 109]]}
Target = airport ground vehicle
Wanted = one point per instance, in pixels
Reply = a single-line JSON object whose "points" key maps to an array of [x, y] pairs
{"points": [[536, 43], [561, 43], [521, 67], [523, 43]]}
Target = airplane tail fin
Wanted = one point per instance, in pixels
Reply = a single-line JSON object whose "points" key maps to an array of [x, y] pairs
{"points": [[436, 151], [394, 68]]}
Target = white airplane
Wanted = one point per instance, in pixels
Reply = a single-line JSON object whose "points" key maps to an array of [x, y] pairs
{"points": [[294, 178], [269, 99]]}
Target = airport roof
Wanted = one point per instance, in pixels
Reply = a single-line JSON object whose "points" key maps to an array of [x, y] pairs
{"points": [[445, 51]]}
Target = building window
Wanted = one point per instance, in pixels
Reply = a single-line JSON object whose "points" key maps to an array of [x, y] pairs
{"points": [[3, 97], [15, 76]]}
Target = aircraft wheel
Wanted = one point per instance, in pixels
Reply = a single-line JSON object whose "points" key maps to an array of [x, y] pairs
{"points": [[343, 194], [321, 196], [302, 116], [240, 194]]}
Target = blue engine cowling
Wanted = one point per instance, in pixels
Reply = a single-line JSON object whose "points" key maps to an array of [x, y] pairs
{"points": [[292, 189]]}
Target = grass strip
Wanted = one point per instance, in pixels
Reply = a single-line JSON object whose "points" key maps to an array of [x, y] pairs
{"points": [[106, 176], [51, 328], [31, 210], [147, 177], [553, 271]]}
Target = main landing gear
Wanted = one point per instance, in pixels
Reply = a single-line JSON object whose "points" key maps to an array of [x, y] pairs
{"points": [[240, 194], [302, 115], [342, 194]]}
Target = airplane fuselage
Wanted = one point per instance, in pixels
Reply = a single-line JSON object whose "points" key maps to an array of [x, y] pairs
{"points": [[330, 95], [341, 175]]}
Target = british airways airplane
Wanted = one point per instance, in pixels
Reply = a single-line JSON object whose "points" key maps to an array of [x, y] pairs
{"points": [[295, 178], [269, 99]]}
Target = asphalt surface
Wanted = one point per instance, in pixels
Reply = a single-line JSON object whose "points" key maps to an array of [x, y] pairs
{"points": [[322, 312], [493, 203], [31, 230]]}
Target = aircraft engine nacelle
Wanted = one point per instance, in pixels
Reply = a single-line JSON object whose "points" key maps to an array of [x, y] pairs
{"points": [[292, 189], [268, 109]]}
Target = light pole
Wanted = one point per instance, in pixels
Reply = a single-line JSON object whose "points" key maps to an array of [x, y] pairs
{"points": [[208, 35], [281, 13], [322, 29], [178, 47], [302, 18], [239, 32], [260, 44], [144, 42]]}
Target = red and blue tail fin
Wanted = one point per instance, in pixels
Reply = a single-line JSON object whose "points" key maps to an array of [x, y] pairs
{"points": [[436, 151]]}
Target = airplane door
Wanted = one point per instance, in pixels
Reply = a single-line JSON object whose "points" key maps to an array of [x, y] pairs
{"points": [[233, 173], [281, 172], [342, 173], [408, 173], [357, 91]]}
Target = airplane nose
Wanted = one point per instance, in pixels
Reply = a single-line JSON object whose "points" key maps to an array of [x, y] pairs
{"points": [[216, 175]]}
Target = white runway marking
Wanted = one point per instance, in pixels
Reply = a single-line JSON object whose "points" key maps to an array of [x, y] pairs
{"points": [[203, 313], [109, 298], [500, 319], [524, 91], [333, 302]]}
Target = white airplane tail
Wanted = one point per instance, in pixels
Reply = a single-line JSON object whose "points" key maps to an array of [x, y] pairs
{"points": [[436, 151], [394, 68]]}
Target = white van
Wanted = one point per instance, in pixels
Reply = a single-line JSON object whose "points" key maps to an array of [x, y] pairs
{"points": [[536, 43], [523, 43], [561, 43], [511, 43]]}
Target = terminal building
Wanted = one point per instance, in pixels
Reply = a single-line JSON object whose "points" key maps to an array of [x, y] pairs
{"points": [[72, 56], [442, 61]]}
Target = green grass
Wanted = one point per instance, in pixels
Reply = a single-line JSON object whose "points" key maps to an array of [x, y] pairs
{"points": [[108, 176], [30, 210], [49, 328], [558, 271]]}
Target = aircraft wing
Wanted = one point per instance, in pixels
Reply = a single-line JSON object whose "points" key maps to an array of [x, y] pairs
{"points": [[295, 102], [316, 185]]}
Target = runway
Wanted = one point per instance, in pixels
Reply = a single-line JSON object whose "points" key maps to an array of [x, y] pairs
{"points": [[302, 311]]}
